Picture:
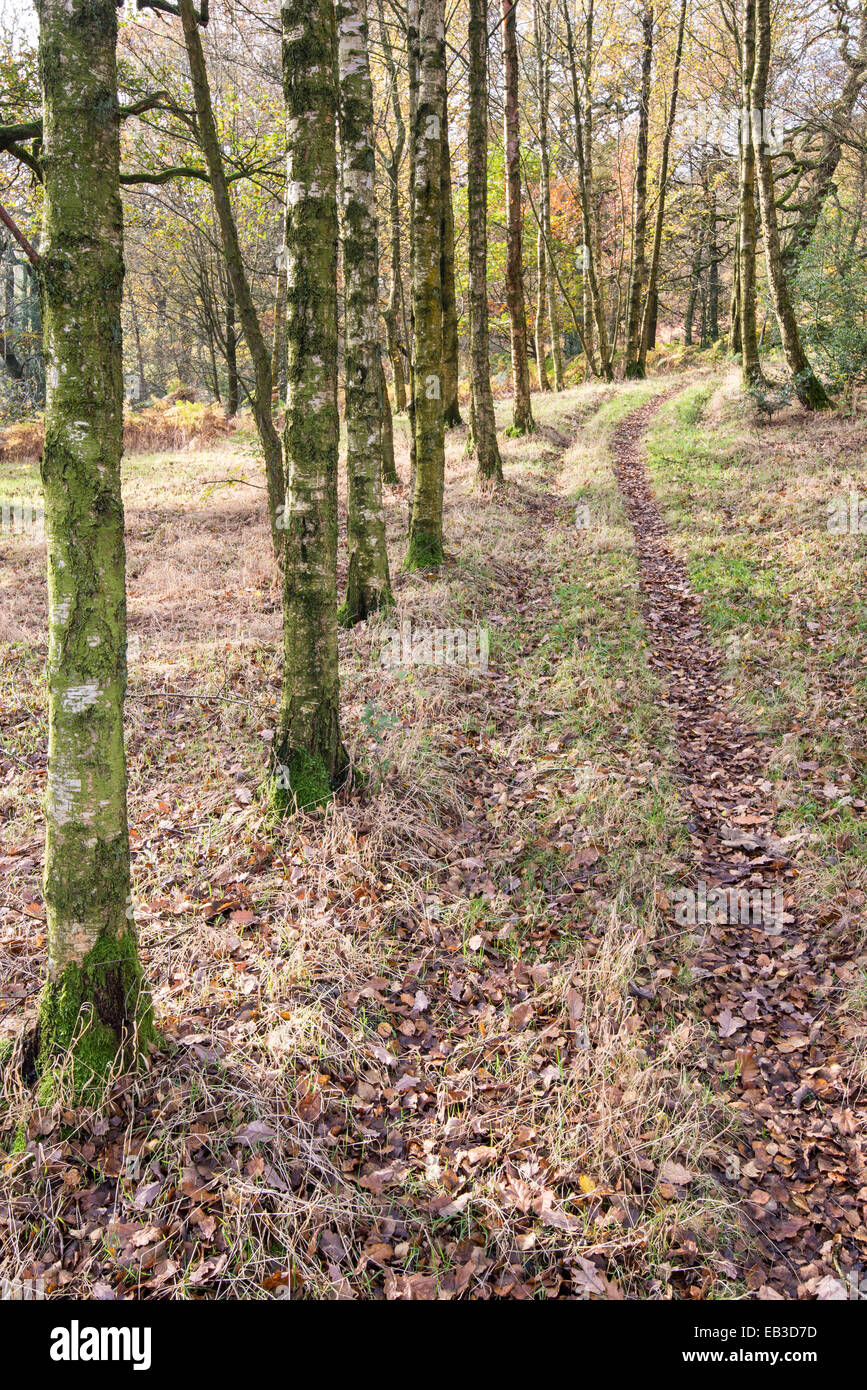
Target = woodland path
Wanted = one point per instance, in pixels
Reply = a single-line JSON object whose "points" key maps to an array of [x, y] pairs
{"points": [[768, 992]]}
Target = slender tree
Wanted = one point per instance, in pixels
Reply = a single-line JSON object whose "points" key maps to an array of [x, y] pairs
{"points": [[451, 407], [633, 366], [601, 361], [368, 586], [522, 415], [426, 523], [809, 388], [94, 1007], [242, 295], [541, 307], [650, 298], [310, 760], [392, 169], [751, 369], [542, 35], [482, 424]]}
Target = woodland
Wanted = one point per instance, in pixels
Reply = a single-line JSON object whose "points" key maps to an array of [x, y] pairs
{"points": [[433, 787]]}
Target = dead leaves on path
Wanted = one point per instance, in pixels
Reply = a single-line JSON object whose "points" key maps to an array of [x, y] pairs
{"points": [[773, 1046]]}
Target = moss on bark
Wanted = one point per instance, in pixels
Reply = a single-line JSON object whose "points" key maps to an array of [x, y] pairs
{"points": [[96, 1014], [94, 978], [368, 583], [308, 738], [426, 523]]}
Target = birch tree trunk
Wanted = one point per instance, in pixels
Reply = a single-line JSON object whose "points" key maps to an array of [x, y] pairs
{"points": [[368, 585], [310, 760], [392, 170], [809, 388], [751, 369], [412, 64], [541, 28], [484, 430], [522, 415], [426, 523], [451, 409], [662, 187], [94, 1007], [541, 297], [633, 366]]}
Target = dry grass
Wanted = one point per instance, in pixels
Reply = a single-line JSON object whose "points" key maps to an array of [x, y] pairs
{"points": [[168, 424], [506, 1136]]}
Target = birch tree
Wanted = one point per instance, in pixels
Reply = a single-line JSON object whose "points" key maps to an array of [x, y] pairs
{"points": [[482, 423], [547, 272], [633, 366], [662, 187], [809, 389], [95, 1006], [751, 369], [522, 414], [310, 760], [368, 586], [392, 169], [451, 407], [426, 523]]}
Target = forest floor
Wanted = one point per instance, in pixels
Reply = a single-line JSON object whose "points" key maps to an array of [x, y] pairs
{"points": [[453, 1038]]}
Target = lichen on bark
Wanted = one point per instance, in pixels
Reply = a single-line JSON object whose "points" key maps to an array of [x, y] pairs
{"points": [[483, 430], [368, 584], [426, 524], [309, 757], [95, 1006]]}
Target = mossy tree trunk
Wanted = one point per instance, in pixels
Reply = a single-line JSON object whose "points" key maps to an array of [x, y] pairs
{"points": [[368, 585], [751, 368], [522, 414], [484, 430], [809, 388], [426, 524], [542, 37], [633, 366], [412, 65], [451, 409], [392, 170], [310, 760], [95, 1007], [651, 298], [541, 296]]}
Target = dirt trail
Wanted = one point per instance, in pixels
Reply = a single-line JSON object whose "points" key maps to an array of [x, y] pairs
{"points": [[796, 1162]]}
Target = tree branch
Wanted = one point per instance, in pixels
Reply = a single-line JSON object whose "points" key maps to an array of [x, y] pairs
{"points": [[30, 251]]}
